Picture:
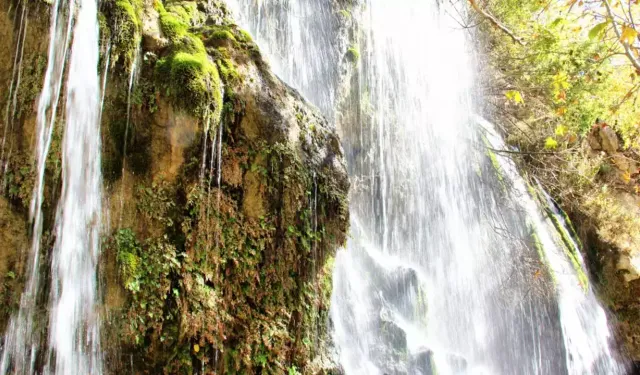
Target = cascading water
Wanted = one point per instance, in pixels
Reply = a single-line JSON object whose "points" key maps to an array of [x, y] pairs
{"points": [[73, 340], [301, 38], [446, 268]]}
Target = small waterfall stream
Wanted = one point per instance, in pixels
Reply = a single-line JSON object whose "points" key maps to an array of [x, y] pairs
{"points": [[451, 266], [74, 335], [73, 322]]}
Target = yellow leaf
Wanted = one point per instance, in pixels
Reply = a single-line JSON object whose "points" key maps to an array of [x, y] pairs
{"points": [[537, 274], [626, 176], [561, 130], [196, 348], [561, 81], [561, 111], [629, 35], [550, 143], [514, 96]]}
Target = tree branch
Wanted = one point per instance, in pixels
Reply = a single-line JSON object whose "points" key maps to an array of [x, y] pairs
{"points": [[495, 22], [627, 49], [522, 152]]}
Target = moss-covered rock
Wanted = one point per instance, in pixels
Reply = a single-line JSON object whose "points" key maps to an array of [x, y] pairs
{"points": [[222, 242]]}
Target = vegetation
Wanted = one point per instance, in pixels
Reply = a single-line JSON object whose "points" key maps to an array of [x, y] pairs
{"points": [[187, 74], [353, 54], [125, 28], [563, 83], [225, 268]]}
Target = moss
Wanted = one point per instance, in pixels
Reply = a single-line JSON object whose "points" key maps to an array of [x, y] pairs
{"points": [[353, 54], [33, 68], [572, 229], [173, 26], [495, 163], [186, 10], [103, 26], [192, 82], [126, 30], [345, 14], [569, 249], [128, 248], [245, 37], [224, 34], [227, 70], [541, 253], [187, 75]]}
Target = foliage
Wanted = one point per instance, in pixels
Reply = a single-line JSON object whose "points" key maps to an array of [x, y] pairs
{"points": [[577, 66], [573, 64]]}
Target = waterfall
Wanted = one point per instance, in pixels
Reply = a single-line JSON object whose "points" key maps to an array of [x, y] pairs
{"points": [[302, 40], [73, 322], [451, 267]]}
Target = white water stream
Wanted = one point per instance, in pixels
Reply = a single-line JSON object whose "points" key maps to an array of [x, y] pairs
{"points": [[441, 272], [73, 322]]}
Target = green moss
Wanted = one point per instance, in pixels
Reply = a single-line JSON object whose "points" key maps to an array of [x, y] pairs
{"points": [[572, 229], [187, 10], [33, 68], [245, 37], [128, 248], [103, 26], [192, 82], [126, 29], [227, 70], [353, 54], [495, 163], [224, 34], [345, 14], [569, 249], [187, 75], [173, 26], [540, 250]]}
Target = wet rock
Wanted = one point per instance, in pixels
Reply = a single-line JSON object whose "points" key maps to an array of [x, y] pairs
{"points": [[393, 335], [423, 363]]}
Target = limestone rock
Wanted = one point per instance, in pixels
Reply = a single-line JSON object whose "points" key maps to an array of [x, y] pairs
{"points": [[603, 138], [152, 38]]}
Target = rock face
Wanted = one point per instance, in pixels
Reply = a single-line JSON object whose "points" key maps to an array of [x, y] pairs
{"points": [[603, 138], [227, 192]]}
